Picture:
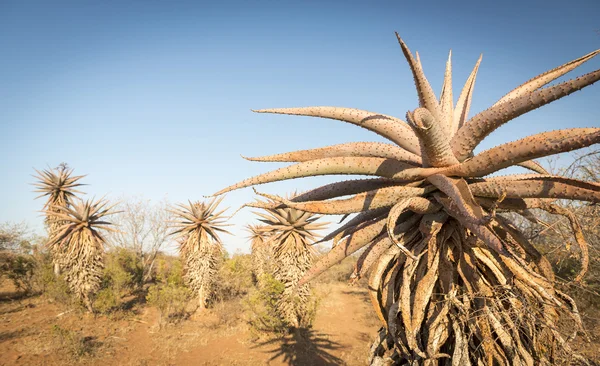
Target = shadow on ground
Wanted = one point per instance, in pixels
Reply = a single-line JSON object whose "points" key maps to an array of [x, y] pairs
{"points": [[303, 347]]}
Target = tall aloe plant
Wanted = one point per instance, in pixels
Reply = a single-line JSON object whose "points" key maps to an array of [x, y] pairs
{"points": [[291, 233], [451, 279], [82, 244], [197, 227], [60, 187], [261, 250]]}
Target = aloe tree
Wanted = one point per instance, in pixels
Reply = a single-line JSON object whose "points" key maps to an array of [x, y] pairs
{"points": [[59, 186], [450, 277], [82, 244], [261, 250], [291, 233], [197, 226]]}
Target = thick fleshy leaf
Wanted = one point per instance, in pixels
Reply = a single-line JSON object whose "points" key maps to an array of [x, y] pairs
{"points": [[358, 149], [458, 191], [546, 77], [554, 178], [486, 122], [461, 111], [533, 165], [383, 197], [389, 127], [355, 224], [446, 99], [535, 188], [531, 147], [427, 98], [345, 248], [329, 166], [345, 188]]}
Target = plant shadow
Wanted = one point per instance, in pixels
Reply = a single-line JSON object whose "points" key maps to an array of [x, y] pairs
{"points": [[303, 347]]}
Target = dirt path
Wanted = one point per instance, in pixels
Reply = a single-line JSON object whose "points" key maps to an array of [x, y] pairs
{"points": [[31, 333], [341, 335]]}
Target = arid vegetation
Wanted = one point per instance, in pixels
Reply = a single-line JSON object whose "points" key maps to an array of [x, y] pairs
{"points": [[200, 247], [59, 186], [291, 233], [460, 267]]}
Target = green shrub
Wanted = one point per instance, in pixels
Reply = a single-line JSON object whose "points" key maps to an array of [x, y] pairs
{"points": [[45, 281], [169, 295], [73, 343], [106, 300], [171, 301], [124, 270], [234, 278], [261, 304], [169, 270], [20, 269], [122, 275]]}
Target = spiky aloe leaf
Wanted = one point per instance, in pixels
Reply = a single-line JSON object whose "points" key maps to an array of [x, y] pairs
{"points": [[358, 149], [461, 111], [389, 127], [486, 122]]}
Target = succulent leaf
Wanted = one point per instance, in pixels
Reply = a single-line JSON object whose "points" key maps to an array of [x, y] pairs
{"points": [[356, 149], [388, 127]]}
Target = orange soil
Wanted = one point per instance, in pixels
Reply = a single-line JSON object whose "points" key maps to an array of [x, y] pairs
{"points": [[35, 332]]}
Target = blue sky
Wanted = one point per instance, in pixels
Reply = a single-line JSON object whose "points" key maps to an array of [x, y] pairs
{"points": [[153, 98]]}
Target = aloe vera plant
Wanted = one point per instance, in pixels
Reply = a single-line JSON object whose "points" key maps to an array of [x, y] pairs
{"points": [[60, 187], [82, 244], [197, 227], [291, 233], [452, 280]]}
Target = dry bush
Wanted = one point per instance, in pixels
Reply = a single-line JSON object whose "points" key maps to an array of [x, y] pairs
{"points": [[171, 300], [18, 268], [122, 274], [234, 278], [143, 232], [261, 307], [552, 234], [71, 343], [169, 294], [54, 288], [17, 262]]}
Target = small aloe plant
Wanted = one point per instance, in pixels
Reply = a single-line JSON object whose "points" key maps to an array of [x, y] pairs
{"points": [[450, 278]]}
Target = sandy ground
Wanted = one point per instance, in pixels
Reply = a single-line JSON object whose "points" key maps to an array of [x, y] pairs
{"points": [[35, 332]]}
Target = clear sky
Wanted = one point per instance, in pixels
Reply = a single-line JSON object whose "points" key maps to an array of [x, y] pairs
{"points": [[153, 98]]}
